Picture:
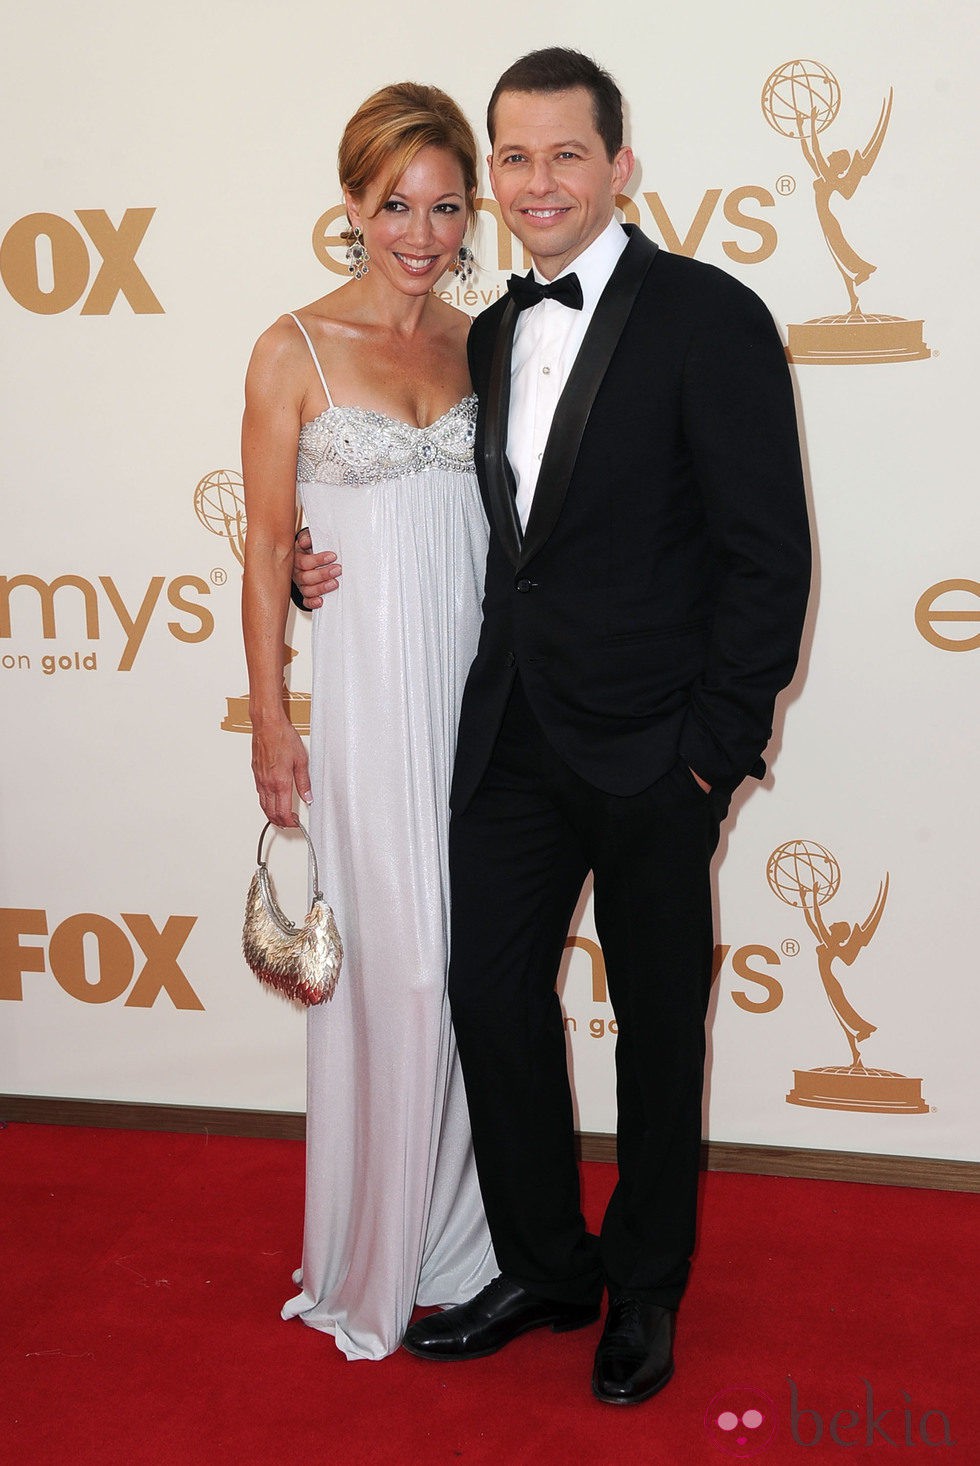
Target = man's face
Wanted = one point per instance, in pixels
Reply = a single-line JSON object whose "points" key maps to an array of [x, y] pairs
{"points": [[551, 176]]}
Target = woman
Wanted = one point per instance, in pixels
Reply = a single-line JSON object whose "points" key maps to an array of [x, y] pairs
{"points": [[364, 398]]}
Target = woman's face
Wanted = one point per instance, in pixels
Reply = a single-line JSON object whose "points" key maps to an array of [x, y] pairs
{"points": [[413, 233]]}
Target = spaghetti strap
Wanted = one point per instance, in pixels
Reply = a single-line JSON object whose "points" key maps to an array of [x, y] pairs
{"points": [[316, 360]]}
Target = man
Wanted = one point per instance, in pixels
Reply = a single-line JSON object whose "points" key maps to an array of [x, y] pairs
{"points": [[646, 586]]}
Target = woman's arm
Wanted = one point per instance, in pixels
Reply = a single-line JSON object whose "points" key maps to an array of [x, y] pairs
{"points": [[270, 435]]}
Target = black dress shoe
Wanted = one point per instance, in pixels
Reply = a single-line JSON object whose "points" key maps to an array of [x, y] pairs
{"points": [[635, 1357], [497, 1314]]}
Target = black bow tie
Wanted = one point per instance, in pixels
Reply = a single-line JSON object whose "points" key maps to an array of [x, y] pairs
{"points": [[525, 291]]}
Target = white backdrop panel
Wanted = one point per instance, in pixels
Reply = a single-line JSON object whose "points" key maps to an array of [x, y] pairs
{"points": [[129, 821]]}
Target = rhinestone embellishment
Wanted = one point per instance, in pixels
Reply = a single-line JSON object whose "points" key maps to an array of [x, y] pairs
{"points": [[354, 445]]}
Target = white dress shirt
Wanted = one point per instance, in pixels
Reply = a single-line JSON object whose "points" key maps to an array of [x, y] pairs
{"points": [[547, 339]]}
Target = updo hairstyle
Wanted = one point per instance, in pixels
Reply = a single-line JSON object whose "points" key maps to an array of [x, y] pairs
{"points": [[387, 132]]}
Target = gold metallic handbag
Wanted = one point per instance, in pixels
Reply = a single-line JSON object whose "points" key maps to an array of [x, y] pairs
{"points": [[301, 962]]}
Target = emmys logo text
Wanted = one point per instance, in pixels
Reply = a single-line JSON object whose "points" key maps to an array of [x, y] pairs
{"points": [[46, 263], [749, 964], [80, 606], [95, 960], [948, 615], [749, 236]]}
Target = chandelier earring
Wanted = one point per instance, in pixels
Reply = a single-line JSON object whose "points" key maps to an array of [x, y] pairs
{"points": [[357, 255], [463, 264]]}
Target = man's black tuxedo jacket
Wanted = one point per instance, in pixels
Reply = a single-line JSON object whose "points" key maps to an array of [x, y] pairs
{"points": [[655, 604]]}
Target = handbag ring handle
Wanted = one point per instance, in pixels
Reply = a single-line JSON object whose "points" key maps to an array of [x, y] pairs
{"points": [[317, 893]]}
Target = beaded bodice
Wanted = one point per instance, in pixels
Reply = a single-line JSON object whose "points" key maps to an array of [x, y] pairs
{"points": [[353, 445]]}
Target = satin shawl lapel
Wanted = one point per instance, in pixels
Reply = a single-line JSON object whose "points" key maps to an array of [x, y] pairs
{"points": [[575, 403], [501, 487]]}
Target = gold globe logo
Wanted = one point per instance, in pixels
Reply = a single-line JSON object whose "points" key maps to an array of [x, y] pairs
{"points": [[800, 89], [220, 506], [803, 866]]}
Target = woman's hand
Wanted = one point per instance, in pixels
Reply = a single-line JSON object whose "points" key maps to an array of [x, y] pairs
{"points": [[280, 764], [314, 575]]}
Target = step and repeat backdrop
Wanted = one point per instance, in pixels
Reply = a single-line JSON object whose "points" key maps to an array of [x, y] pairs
{"points": [[170, 189]]}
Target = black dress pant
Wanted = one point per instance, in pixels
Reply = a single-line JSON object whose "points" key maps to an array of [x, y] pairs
{"points": [[519, 853]]}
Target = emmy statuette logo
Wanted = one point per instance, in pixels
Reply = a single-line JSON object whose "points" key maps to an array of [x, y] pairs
{"points": [[219, 505], [800, 100], [806, 875]]}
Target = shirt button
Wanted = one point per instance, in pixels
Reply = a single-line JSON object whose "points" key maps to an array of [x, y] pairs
{"points": [[524, 586], [546, 371]]}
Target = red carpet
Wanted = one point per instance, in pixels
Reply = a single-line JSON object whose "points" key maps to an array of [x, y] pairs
{"points": [[143, 1273]]}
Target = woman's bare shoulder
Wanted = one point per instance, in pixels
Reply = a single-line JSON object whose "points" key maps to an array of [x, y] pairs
{"points": [[279, 343], [279, 367]]}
